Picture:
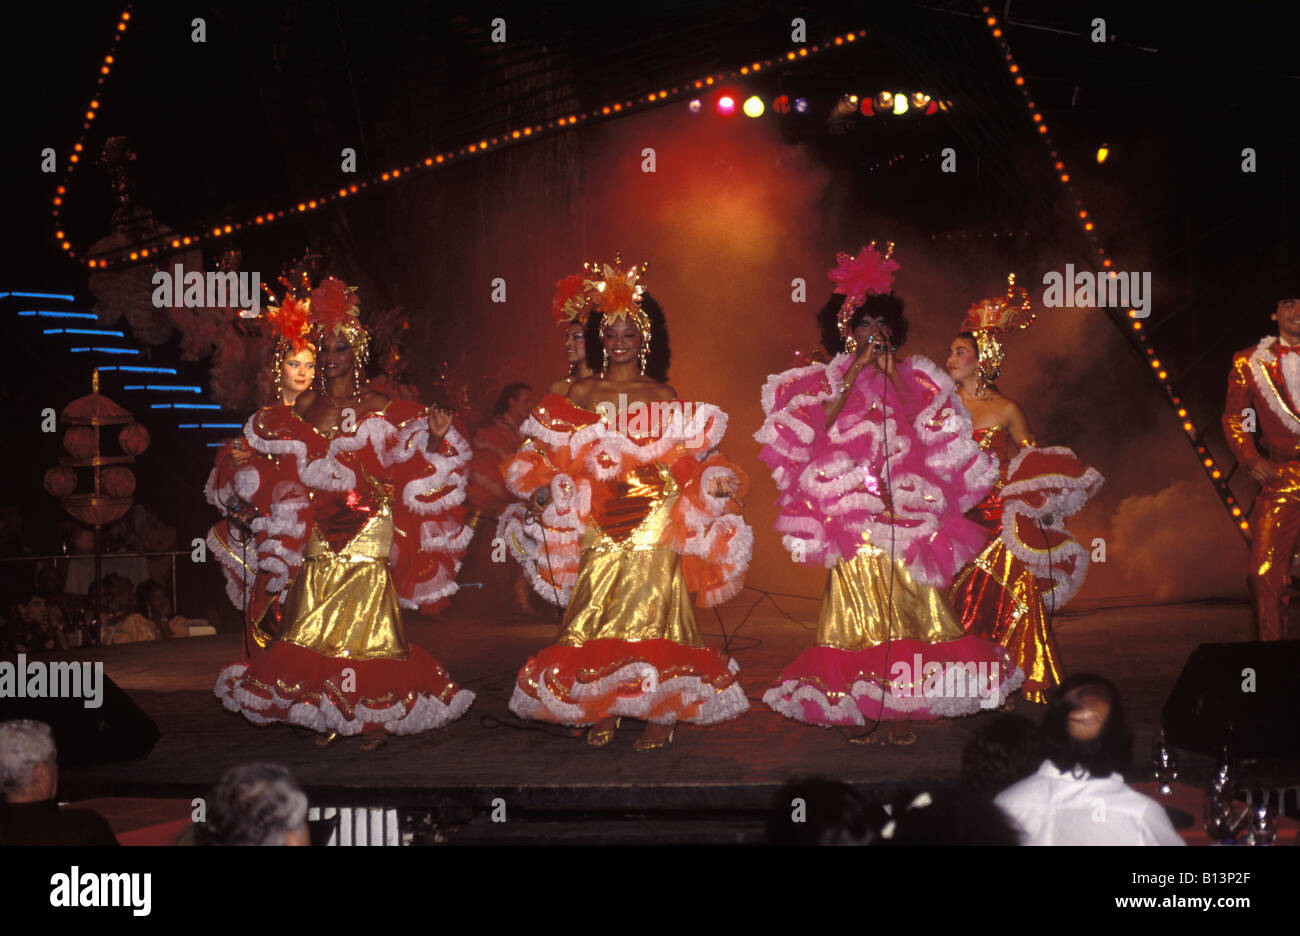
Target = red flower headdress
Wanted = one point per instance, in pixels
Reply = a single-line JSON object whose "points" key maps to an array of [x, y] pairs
{"points": [[571, 301], [290, 319], [868, 273], [334, 310], [989, 319]]}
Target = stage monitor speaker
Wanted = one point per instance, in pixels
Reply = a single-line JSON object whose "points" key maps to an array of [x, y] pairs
{"points": [[1244, 695], [116, 731]]}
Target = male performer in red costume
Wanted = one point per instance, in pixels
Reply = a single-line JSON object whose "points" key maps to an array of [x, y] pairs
{"points": [[1261, 421]]}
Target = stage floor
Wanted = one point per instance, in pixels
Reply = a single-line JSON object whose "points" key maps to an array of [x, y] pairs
{"points": [[730, 768]]}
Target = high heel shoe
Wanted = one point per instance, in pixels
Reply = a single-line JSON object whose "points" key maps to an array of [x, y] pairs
{"points": [[654, 744], [601, 738]]}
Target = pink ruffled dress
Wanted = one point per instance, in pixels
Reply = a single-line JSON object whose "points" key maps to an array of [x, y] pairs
{"points": [[878, 498]]}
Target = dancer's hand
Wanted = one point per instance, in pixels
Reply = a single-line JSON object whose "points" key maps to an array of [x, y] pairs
{"points": [[726, 487], [439, 423], [1265, 471]]}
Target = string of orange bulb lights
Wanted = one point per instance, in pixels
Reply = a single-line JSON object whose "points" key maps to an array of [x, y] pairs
{"points": [[92, 109], [143, 250], [1133, 332]]}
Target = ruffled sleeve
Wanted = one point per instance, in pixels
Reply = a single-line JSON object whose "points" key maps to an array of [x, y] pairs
{"points": [[260, 560], [547, 547], [897, 469], [428, 511], [1044, 487], [715, 542]]}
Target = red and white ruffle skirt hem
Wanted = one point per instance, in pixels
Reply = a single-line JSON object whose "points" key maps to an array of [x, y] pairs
{"points": [[657, 681], [298, 686]]}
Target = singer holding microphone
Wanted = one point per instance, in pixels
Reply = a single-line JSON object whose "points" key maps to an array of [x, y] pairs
{"points": [[875, 463]]}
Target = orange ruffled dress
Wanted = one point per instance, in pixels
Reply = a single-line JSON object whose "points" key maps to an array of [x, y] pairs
{"points": [[629, 531]]}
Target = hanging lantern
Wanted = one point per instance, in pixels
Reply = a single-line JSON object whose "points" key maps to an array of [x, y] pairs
{"points": [[117, 481], [60, 481], [81, 441], [134, 438]]}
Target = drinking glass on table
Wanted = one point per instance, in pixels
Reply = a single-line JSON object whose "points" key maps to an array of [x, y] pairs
{"points": [[1165, 763]]}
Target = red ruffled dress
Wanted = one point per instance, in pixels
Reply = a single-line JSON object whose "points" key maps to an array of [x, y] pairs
{"points": [[1032, 565], [352, 528]]}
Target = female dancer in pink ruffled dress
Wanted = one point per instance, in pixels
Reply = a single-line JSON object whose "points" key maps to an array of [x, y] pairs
{"points": [[875, 463]]}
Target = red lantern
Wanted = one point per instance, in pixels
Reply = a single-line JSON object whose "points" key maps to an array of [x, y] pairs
{"points": [[117, 481], [80, 441], [96, 511], [60, 481], [134, 438]]}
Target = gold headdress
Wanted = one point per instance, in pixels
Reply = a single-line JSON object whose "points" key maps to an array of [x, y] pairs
{"points": [[617, 291], [990, 319]]}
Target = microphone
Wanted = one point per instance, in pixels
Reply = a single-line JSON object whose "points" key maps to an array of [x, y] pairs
{"points": [[236, 505]]}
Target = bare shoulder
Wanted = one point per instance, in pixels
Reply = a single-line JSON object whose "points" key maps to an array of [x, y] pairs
{"points": [[656, 390], [559, 387], [373, 400], [304, 401], [581, 391], [1009, 409]]}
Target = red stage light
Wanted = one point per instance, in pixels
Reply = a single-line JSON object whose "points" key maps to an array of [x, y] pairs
{"points": [[726, 105]]}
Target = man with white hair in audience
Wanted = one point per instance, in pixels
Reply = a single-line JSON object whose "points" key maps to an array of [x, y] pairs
{"points": [[29, 780]]}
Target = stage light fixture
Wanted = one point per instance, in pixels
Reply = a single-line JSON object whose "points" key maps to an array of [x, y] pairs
{"points": [[781, 104], [900, 103], [726, 105], [753, 106], [695, 106], [920, 99], [1102, 152], [801, 105], [885, 101]]}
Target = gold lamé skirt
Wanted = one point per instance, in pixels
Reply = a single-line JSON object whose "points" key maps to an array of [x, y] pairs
{"points": [[632, 589], [343, 604], [858, 599], [1000, 600]]}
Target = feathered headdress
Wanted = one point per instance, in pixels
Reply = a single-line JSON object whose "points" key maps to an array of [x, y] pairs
{"points": [[334, 310], [990, 319], [856, 277], [292, 323], [617, 294], [571, 301]]}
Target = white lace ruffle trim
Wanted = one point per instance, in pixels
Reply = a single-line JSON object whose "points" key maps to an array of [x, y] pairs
{"points": [[425, 714], [718, 705], [789, 697]]}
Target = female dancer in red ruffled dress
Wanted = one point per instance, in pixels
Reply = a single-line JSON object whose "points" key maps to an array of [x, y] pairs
{"points": [[875, 464], [1032, 565], [293, 368], [360, 503], [570, 306], [634, 511]]}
